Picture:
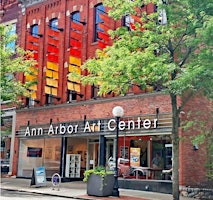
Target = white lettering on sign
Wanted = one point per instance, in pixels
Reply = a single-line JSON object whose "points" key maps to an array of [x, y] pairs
{"points": [[33, 131], [87, 127], [62, 129], [146, 123], [51, 130], [131, 124], [94, 127], [110, 127]]}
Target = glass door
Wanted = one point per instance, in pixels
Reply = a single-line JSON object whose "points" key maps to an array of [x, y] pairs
{"points": [[110, 154], [93, 154]]}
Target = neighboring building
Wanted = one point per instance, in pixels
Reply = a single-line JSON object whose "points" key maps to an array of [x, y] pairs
{"points": [[67, 127], [10, 14]]}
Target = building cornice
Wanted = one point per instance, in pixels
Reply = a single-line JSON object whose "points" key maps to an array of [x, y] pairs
{"points": [[92, 101], [27, 3]]}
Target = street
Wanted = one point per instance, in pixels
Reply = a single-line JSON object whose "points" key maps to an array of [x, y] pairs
{"points": [[22, 195]]}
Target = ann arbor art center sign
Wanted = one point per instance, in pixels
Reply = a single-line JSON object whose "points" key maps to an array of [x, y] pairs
{"points": [[91, 127]]}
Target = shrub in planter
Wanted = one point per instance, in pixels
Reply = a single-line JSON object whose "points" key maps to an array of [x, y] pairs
{"points": [[100, 182]]}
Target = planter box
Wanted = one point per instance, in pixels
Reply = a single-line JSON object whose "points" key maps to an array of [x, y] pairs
{"points": [[97, 186]]}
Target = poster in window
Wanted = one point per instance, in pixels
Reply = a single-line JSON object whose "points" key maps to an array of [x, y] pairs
{"points": [[135, 157], [34, 152]]}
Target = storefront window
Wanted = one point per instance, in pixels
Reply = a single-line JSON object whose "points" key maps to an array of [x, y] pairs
{"points": [[147, 156], [40, 152]]}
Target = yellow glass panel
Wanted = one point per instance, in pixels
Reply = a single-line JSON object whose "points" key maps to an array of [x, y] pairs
{"points": [[74, 79], [53, 66], [33, 87], [34, 70], [73, 68], [33, 95], [77, 88], [30, 78], [52, 82], [70, 86], [47, 90], [75, 61], [55, 75], [54, 91], [73, 86], [49, 73]]}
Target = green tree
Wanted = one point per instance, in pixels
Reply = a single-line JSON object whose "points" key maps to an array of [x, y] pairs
{"points": [[173, 52], [12, 64]]}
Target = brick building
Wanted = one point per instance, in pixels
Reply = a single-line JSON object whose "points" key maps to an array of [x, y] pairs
{"points": [[10, 14], [67, 127]]}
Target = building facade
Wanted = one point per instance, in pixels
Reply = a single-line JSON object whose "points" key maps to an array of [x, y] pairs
{"points": [[67, 128], [10, 14]]}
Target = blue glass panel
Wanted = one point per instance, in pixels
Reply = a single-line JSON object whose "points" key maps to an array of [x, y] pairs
{"points": [[54, 24], [11, 45], [98, 9], [76, 17], [34, 30]]}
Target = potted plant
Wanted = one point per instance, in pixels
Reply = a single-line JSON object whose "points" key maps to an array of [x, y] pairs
{"points": [[100, 181]]}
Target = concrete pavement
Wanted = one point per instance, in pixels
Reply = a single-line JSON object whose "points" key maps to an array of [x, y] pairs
{"points": [[77, 190]]}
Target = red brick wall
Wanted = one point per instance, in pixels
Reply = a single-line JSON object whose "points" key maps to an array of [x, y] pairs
{"points": [[94, 109], [192, 162], [192, 169], [40, 14]]}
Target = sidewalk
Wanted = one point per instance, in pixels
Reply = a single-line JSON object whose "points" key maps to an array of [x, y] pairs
{"points": [[77, 189]]}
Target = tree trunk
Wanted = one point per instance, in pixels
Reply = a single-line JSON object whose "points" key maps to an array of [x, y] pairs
{"points": [[175, 149]]}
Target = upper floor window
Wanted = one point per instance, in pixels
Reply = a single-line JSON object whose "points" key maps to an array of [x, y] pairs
{"points": [[12, 44], [98, 10], [71, 95], [34, 30], [75, 17], [127, 21], [30, 102], [54, 24], [162, 18], [49, 99]]}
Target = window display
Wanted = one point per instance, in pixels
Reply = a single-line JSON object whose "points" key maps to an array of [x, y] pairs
{"points": [[40, 152]]}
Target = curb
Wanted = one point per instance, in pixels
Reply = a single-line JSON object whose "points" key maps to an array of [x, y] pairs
{"points": [[46, 194]]}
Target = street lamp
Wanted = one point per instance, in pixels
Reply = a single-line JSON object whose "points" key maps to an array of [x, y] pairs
{"points": [[117, 113]]}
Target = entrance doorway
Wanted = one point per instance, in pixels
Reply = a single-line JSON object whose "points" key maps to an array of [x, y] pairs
{"points": [[93, 154]]}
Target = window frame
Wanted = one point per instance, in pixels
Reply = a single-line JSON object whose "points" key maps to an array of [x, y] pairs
{"points": [[11, 45], [75, 21], [127, 23], [34, 32], [71, 96], [54, 24], [77, 15], [49, 99], [99, 8]]}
